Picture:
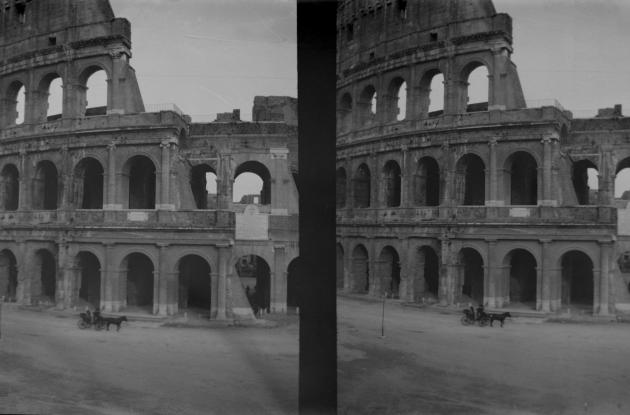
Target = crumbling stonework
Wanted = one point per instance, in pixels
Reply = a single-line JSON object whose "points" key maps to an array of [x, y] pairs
{"points": [[477, 202], [109, 207]]}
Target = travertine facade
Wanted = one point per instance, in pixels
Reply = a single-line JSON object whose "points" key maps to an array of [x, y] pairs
{"points": [[478, 202], [108, 206]]}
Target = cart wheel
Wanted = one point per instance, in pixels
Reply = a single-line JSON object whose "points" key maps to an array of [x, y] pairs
{"points": [[465, 321], [82, 324], [484, 322]]}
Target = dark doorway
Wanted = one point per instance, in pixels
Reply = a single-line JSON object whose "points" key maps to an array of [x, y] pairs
{"points": [[195, 288], [46, 269], [89, 184], [522, 277], [577, 279], [427, 183], [472, 267], [431, 272], [361, 184], [390, 272], [470, 181], [141, 171], [10, 187], [8, 276], [45, 188], [90, 288], [523, 179], [255, 276], [139, 280], [360, 270], [391, 184]]}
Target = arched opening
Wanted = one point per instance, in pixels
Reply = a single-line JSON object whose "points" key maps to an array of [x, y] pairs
{"points": [[522, 277], [255, 276], [93, 91], [577, 280], [50, 98], [470, 181], [367, 105], [15, 104], [252, 184], [293, 284], [139, 281], [9, 187], [471, 268], [477, 87], [339, 266], [427, 183], [391, 183], [360, 270], [622, 180], [397, 105], [8, 276], [432, 94], [140, 174], [90, 284], [390, 272], [345, 112], [585, 182], [203, 183], [426, 283], [341, 187], [523, 178], [44, 281], [45, 189], [194, 282], [88, 184], [361, 187]]}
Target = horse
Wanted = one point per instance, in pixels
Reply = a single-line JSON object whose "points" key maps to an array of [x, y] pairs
{"points": [[114, 320], [499, 317]]}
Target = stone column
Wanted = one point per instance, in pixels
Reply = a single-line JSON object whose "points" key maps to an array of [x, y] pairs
{"points": [[491, 274], [225, 182], [604, 288], [546, 194], [165, 201], [23, 290], [497, 99], [545, 278], [375, 182], [24, 188], [279, 190], [405, 179], [65, 276], [162, 282], [606, 178], [214, 290], [116, 91], [107, 280], [224, 255], [279, 280], [493, 199], [111, 202]]}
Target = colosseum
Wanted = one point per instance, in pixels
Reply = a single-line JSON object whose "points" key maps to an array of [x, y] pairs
{"points": [[112, 207], [445, 200]]}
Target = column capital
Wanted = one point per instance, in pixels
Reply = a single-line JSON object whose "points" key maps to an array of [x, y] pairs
{"points": [[549, 138], [545, 241], [162, 245], [492, 141], [606, 242]]}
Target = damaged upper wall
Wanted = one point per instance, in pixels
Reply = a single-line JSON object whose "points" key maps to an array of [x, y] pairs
{"points": [[383, 44], [42, 40]]}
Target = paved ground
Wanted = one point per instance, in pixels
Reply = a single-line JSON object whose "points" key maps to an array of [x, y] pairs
{"points": [[48, 365], [428, 363]]}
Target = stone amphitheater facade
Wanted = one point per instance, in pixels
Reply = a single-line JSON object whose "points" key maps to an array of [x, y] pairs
{"points": [[107, 207], [486, 203]]}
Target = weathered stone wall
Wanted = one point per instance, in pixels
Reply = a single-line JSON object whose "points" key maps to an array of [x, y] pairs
{"points": [[471, 187], [118, 186]]}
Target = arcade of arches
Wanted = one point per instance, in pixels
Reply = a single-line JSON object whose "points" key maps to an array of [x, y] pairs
{"points": [[498, 279]]}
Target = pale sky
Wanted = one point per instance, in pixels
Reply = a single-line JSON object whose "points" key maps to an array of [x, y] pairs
{"points": [[209, 56]]}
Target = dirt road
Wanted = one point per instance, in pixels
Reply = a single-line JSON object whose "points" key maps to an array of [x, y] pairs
{"points": [[48, 365], [428, 363]]}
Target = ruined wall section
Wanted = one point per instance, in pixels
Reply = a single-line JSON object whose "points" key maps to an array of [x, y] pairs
{"points": [[46, 40]]}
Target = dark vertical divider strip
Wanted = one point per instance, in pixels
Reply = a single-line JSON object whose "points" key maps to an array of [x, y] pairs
{"points": [[316, 185]]}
